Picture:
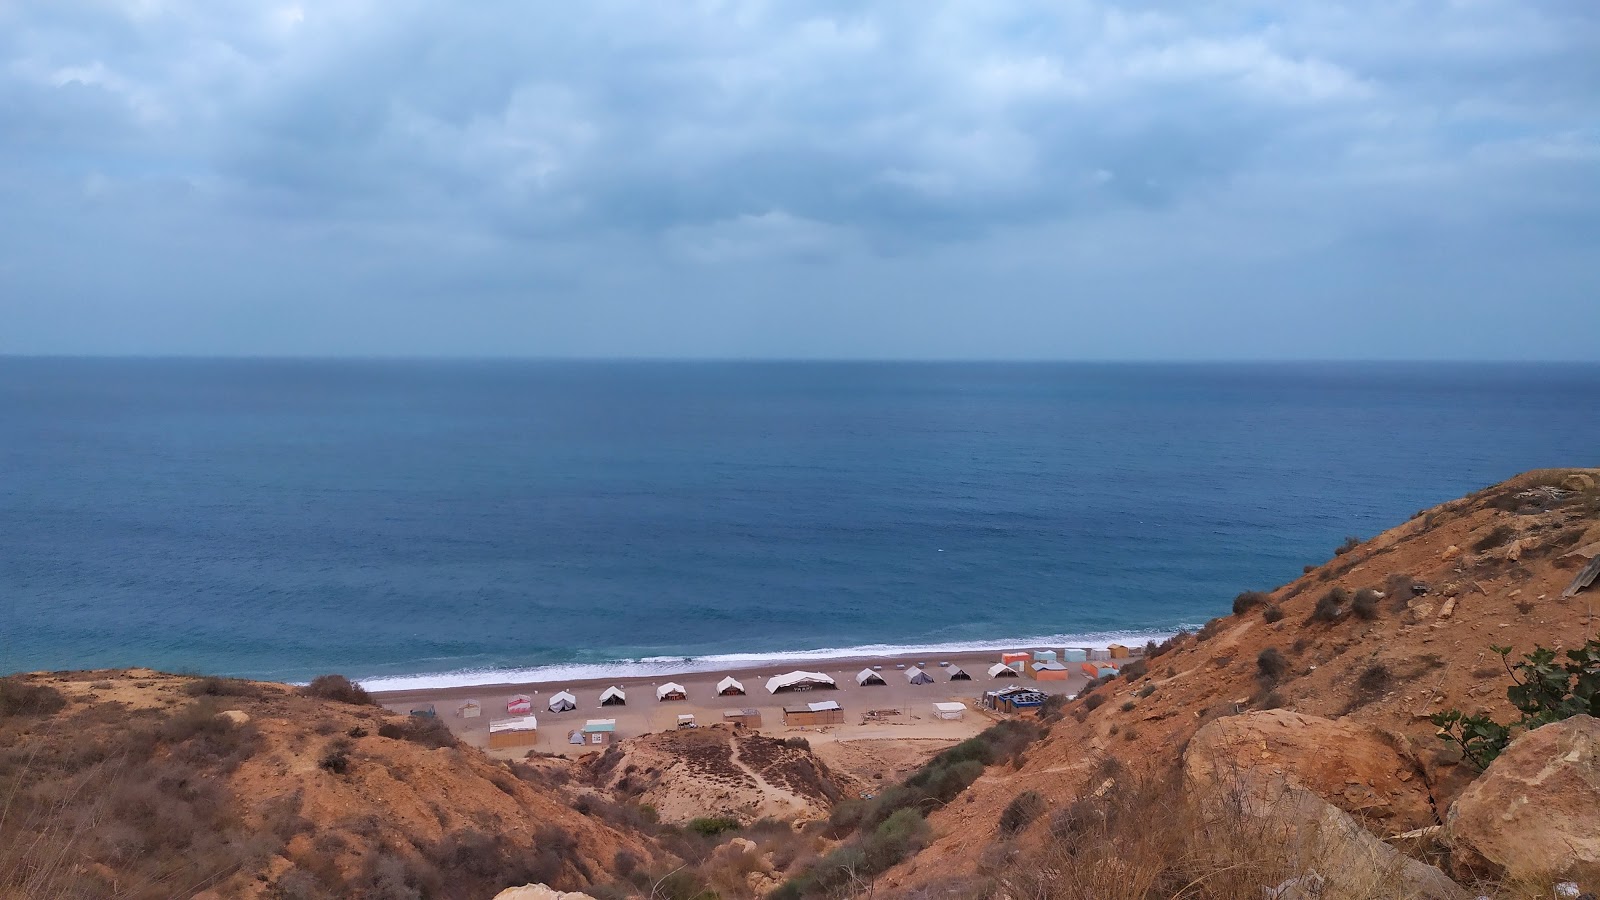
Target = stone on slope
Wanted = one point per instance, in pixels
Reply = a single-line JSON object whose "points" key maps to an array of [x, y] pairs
{"points": [[539, 892], [1535, 813], [1353, 766]]}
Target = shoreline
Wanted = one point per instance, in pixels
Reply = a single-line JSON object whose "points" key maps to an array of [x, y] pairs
{"points": [[644, 714]]}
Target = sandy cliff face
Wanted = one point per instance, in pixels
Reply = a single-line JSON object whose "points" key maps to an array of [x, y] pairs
{"points": [[1487, 569]]}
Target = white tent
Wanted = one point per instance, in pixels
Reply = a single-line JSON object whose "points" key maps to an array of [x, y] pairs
{"points": [[1001, 670], [613, 696], [949, 710], [918, 676], [671, 691], [799, 681], [958, 674], [561, 701], [867, 676], [729, 687]]}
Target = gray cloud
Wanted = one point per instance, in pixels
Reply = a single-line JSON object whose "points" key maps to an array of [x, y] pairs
{"points": [[997, 179]]}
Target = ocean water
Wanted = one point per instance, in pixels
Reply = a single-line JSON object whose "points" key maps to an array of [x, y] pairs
{"points": [[435, 522]]}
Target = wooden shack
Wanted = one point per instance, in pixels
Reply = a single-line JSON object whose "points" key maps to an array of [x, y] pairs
{"points": [[828, 712], [749, 718], [522, 731]]}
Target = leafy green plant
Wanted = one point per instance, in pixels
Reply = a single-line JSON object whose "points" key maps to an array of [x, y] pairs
{"points": [[1543, 689]]}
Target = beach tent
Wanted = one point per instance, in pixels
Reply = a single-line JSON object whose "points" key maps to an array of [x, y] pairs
{"points": [[613, 696], [949, 710], [519, 705], [1001, 670], [959, 674], [1050, 671], [800, 681], [522, 731], [561, 701], [469, 709], [672, 691], [730, 687], [918, 676], [867, 676]]}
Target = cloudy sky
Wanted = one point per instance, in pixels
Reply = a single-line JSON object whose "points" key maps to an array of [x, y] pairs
{"points": [[802, 179]]}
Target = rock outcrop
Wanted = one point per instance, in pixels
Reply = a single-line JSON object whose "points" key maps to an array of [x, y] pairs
{"points": [[1535, 813], [1348, 859], [1355, 767], [539, 892]]}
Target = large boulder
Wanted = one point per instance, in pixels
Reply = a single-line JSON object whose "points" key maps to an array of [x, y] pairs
{"points": [[1535, 813], [1227, 774], [1357, 768]]}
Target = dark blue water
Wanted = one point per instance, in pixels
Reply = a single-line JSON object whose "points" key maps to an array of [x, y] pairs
{"points": [[284, 518]]}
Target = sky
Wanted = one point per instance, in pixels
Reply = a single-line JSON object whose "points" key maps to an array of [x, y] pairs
{"points": [[986, 179]]}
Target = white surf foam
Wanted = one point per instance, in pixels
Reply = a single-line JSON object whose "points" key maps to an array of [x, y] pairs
{"points": [[651, 666]]}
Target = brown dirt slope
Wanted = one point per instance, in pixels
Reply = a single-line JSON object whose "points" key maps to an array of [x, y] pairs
{"points": [[718, 771], [1487, 569], [138, 784]]}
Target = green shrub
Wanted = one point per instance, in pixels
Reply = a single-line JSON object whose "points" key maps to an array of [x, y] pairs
{"points": [[1273, 613], [711, 826], [1543, 690], [1020, 812], [1271, 663], [1330, 606]]}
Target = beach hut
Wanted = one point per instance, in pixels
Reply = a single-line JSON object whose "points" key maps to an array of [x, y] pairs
{"points": [[687, 720], [1015, 699], [469, 709], [1050, 671], [519, 705], [1097, 669], [918, 676], [730, 687], [562, 701], [1017, 660], [949, 710], [800, 681], [1074, 655], [599, 732], [868, 677], [959, 674], [827, 712], [749, 718], [522, 731], [1118, 651], [1001, 670], [671, 691], [613, 696]]}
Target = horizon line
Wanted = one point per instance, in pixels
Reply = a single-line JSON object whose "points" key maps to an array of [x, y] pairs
{"points": [[790, 360]]}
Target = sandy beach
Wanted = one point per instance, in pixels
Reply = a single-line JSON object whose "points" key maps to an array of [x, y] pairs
{"points": [[913, 704]]}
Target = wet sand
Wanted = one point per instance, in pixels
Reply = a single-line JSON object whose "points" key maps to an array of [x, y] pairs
{"points": [[643, 714]]}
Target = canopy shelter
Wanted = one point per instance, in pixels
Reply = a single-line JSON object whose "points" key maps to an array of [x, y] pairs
{"points": [[949, 710], [959, 674], [672, 691], [519, 705], [867, 676], [469, 709], [561, 701], [1001, 670], [613, 696], [730, 687], [800, 681], [918, 676]]}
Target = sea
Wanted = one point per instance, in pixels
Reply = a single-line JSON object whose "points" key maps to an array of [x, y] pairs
{"points": [[429, 523]]}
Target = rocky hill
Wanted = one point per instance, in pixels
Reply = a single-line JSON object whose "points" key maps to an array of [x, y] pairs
{"points": [[1324, 686], [137, 784]]}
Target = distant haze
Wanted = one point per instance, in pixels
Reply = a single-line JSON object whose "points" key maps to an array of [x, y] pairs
{"points": [[822, 179]]}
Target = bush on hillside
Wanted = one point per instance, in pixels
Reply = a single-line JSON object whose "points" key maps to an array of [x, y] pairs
{"points": [[1020, 812], [19, 697], [1273, 613], [1543, 690], [425, 730], [1350, 543], [215, 686], [1271, 663], [338, 688], [1365, 604], [1330, 606], [1249, 600]]}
